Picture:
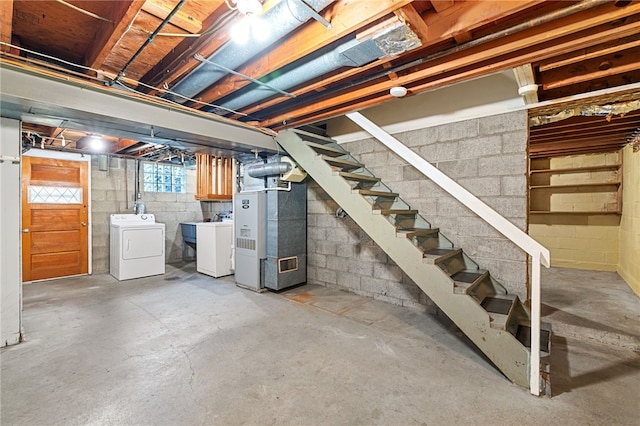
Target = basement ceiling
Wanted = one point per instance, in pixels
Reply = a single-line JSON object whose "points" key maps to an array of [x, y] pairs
{"points": [[306, 61]]}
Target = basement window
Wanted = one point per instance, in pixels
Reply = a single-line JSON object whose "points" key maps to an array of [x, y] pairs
{"points": [[163, 178]]}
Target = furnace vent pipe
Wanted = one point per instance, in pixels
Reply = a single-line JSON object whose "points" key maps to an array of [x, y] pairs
{"points": [[268, 169], [283, 18]]}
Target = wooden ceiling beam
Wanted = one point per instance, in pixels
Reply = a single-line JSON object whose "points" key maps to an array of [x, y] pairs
{"points": [[627, 64], [409, 15], [598, 51], [122, 14], [597, 129], [180, 60], [6, 23], [524, 47], [435, 34], [465, 17], [161, 9], [585, 137], [122, 144], [441, 5], [345, 18]]}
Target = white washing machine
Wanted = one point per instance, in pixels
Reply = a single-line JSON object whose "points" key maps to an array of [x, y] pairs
{"points": [[137, 246]]}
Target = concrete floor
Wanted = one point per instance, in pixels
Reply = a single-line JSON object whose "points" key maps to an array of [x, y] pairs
{"points": [[186, 349]]}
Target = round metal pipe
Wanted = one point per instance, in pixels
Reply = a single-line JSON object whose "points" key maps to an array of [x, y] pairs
{"points": [[268, 169]]}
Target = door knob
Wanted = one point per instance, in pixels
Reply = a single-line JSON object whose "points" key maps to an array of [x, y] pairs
{"points": [[25, 230], [83, 223]]}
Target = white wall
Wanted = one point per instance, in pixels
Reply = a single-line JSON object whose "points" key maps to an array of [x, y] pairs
{"points": [[481, 97], [10, 270]]}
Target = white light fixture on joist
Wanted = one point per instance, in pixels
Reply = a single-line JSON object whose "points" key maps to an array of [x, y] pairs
{"points": [[246, 7]]}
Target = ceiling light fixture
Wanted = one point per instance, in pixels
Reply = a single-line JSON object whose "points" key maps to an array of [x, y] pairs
{"points": [[246, 7], [250, 28], [96, 143], [398, 91]]}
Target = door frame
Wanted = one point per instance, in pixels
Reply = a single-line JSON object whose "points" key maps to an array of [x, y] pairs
{"points": [[69, 156]]}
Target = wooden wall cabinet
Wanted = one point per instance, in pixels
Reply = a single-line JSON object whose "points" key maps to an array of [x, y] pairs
{"points": [[571, 185], [214, 178]]}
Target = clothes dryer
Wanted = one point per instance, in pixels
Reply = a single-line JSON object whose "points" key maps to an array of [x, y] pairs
{"points": [[136, 246]]}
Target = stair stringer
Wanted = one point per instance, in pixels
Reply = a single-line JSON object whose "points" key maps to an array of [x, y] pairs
{"points": [[500, 346]]}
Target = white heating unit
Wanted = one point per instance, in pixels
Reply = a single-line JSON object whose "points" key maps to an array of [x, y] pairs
{"points": [[137, 246]]}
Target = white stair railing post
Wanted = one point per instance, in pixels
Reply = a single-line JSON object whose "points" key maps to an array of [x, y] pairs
{"points": [[538, 253], [534, 361]]}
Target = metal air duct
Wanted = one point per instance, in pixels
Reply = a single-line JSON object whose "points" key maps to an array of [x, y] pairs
{"points": [[390, 41], [268, 169], [283, 18]]}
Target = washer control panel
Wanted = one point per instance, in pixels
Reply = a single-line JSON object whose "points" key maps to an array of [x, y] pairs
{"points": [[133, 218]]}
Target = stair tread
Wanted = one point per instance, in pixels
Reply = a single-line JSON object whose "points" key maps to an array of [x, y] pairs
{"points": [[416, 232], [439, 254], [327, 150], [499, 308], [440, 251], [341, 162], [359, 177], [395, 211], [371, 193], [465, 281], [468, 277], [311, 137], [497, 305]]}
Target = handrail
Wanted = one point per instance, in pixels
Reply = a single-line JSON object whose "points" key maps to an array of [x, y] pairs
{"points": [[539, 253]]}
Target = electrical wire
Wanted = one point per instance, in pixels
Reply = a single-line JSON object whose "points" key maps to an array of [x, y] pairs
{"points": [[120, 80], [86, 12]]}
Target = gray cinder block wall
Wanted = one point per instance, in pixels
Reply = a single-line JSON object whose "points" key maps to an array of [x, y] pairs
{"points": [[113, 191], [488, 156]]}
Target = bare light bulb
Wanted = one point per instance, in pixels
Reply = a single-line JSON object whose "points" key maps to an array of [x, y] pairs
{"points": [[97, 143], [249, 7]]}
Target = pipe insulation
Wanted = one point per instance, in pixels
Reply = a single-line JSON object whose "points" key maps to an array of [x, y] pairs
{"points": [[390, 41], [283, 18], [268, 169]]}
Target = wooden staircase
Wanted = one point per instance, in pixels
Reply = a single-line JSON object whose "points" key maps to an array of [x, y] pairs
{"points": [[497, 322]]}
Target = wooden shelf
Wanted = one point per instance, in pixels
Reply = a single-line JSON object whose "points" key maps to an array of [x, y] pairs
{"points": [[602, 168], [214, 178], [574, 212], [577, 185], [213, 197], [597, 188]]}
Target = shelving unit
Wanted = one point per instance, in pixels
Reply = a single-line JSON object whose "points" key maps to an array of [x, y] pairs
{"points": [[214, 178], [595, 189]]}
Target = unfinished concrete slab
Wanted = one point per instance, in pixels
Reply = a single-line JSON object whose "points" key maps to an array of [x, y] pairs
{"points": [[591, 305], [186, 349]]}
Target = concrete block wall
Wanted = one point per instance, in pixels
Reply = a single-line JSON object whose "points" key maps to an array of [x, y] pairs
{"points": [[488, 156], [113, 191]]}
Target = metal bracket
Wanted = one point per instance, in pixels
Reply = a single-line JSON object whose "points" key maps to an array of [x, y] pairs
{"points": [[200, 58], [14, 160], [315, 15]]}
